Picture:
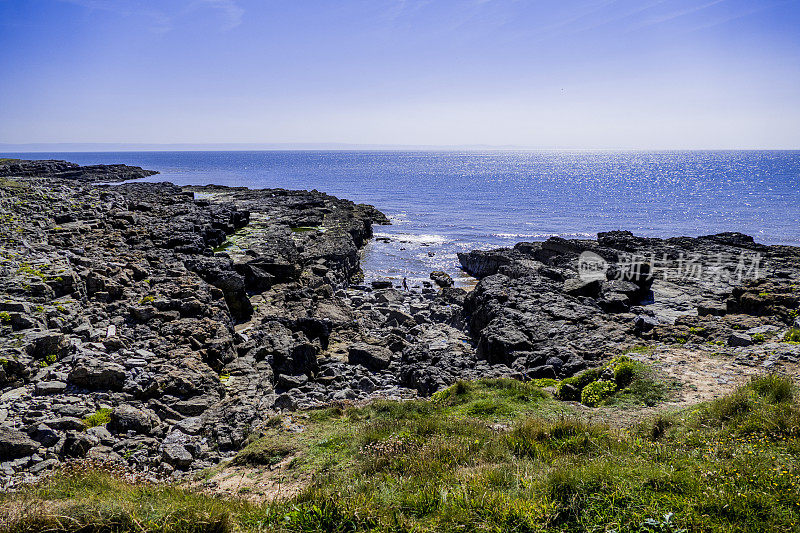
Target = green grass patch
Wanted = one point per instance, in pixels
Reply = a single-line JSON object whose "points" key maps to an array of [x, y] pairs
{"points": [[728, 465], [100, 418]]}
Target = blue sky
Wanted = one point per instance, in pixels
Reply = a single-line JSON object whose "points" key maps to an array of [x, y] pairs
{"points": [[566, 74]]}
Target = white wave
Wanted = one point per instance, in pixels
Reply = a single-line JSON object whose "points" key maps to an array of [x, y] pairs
{"points": [[408, 238], [539, 235]]}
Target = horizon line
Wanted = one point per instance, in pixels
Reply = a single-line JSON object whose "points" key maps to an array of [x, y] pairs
{"points": [[68, 147]]}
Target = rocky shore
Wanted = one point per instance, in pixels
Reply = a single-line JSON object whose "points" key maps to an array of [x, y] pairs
{"points": [[158, 327]]}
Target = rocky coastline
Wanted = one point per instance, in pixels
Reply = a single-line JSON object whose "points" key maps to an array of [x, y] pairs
{"points": [[159, 327]]}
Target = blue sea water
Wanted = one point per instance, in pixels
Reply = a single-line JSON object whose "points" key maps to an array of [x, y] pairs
{"points": [[441, 203]]}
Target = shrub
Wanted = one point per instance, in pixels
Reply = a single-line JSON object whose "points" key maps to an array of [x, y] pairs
{"points": [[569, 389], [5, 318], [793, 335], [624, 373], [597, 391]]}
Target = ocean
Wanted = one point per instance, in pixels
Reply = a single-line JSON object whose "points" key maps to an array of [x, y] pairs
{"points": [[441, 203]]}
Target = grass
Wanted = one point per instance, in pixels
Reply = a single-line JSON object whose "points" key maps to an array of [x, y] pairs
{"points": [[99, 418], [728, 465]]}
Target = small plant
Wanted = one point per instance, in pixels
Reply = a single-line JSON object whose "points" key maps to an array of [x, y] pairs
{"points": [[597, 391], [697, 330], [224, 376], [763, 295], [5, 318], [624, 372], [681, 340], [99, 418], [793, 335], [758, 338], [48, 360], [146, 300]]}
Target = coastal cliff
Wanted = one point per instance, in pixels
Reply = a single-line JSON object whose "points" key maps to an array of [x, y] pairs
{"points": [[160, 327]]}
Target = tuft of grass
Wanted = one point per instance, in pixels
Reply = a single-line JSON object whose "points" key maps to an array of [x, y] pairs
{"points": [[264, 451], [101, 417]]}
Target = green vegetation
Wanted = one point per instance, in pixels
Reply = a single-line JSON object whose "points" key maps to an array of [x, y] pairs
{"points": [[758, 338], [31, 271], [621, 381], [793, 335], [48, 360], [147, 300], [728, 465], [5, 318], [99, 418], [264, 451]]}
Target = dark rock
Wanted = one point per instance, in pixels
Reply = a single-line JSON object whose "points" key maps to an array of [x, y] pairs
{"points": [[579, 287], [739, 340], [14, 444], [371, 356], [94, 373], [441, 278], [126, 418]]}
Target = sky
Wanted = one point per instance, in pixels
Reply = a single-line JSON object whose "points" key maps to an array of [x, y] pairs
{"points": [[641, 74]]}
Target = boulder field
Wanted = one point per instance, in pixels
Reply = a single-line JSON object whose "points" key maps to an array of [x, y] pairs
{"points": [[159, 326]]}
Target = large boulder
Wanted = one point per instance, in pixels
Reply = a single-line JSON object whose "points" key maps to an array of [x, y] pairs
{"points": [[369, 355], [126, 418], [15, 444], [94, 373], [442, 278]]}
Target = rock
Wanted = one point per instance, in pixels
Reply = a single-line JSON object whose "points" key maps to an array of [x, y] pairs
{"points": [[176, 455], [15, 444], [739, 340], [40, 467], [441, 278], [614, 302], [579, 287], [291, 382], [44, 435], [644, 323], [193, 406], [77, 444], [64, 423], [50, 387], [126, 418], [712, 309], [371, 356], [381, 284], [40, 344], [93, 373]]}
